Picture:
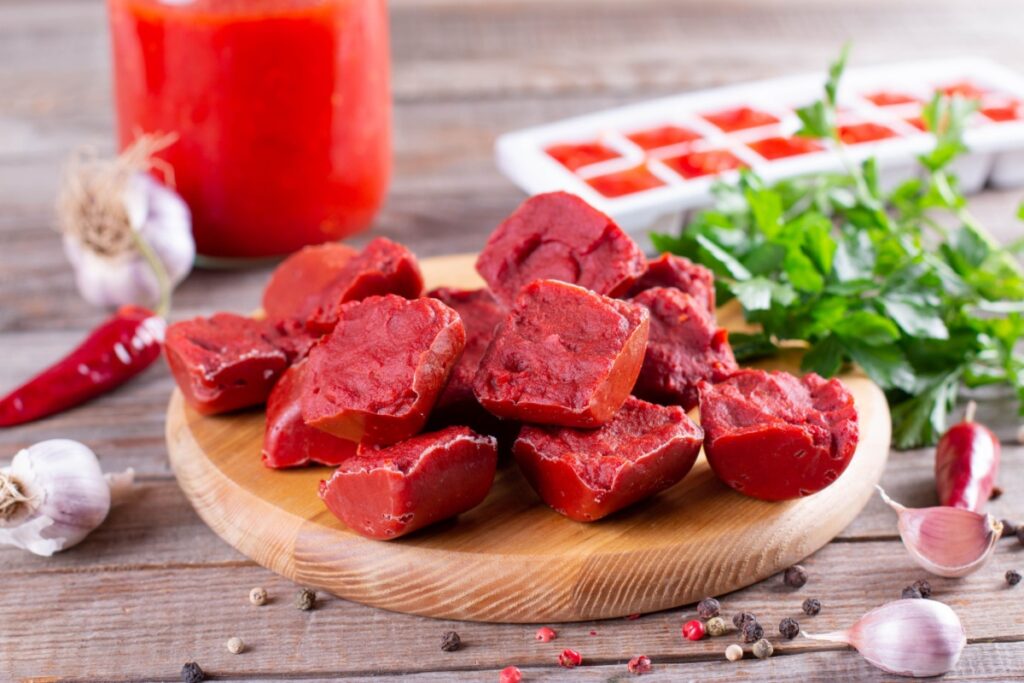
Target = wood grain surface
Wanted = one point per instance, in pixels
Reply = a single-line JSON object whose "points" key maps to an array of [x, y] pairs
{"points": [[154, 587], [512, 559]]}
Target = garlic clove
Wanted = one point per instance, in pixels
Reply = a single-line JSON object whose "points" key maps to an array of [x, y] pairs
{"points": [[917, 638], [53, 494], [947, 541]]}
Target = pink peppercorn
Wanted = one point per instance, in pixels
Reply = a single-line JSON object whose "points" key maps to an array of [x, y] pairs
{"points": [[545, 634], [693, 629], [570, 659], [510, 674], [640, 664]]}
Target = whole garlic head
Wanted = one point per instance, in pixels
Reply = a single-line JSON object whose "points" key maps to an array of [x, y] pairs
{"points": [[52, 495]]}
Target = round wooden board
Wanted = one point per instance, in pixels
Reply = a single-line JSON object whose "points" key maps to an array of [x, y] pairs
{"points": [[512, 559]]}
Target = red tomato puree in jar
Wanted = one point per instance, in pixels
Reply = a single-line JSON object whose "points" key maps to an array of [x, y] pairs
{"points": [[281, 107]]}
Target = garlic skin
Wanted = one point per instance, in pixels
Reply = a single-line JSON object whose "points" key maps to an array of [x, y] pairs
{"points": [[53, 494], [161, 219], [947, 541], [916, 638]]}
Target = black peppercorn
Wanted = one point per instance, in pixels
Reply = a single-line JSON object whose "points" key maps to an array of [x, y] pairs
{"points": [[795, 576], [192, 673], [305, 599], [707, 608], [451, 642], [923, 587], [997, 492], [1009, 529], [789, 628], [741, 618], [911, 593], [811, 606], [1013, 577], [752, 632]]}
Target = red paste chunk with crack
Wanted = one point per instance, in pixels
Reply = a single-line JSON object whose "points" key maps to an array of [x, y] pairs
{"points": [[394, 491], [558, 236], [480, 313], [291, 336], [383, 267], [377, 376], [298, 283], [679, 272], [223, 363], [287, 440], [685, 346], [564, 356], [588, 474], [774, 436]]}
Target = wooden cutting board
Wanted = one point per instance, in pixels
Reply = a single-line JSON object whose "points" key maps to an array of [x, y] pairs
{"points": [[512, 559]]}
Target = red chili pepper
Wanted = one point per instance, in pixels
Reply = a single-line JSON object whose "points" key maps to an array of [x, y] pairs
{"points": [[966, 464], [123, 346]]}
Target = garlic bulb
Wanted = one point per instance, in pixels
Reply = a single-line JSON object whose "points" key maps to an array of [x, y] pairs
{"points": [[947, 541], [127, 236], [911, 637], [53, 494]]}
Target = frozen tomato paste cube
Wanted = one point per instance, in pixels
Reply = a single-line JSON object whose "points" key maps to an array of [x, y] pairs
{"points": [[224, 362], [663, 136], [377, 376], [856, 133], [679, 272], [298, 283], [774, 436], [707, 162], [685, 346], [287, 440], [780, 147], [580, 155], [393, 491], [558, 236], [964, 89], [480, 313], [586, 474], [740, 118], [383, 267], [629, 181], [564, 356], [885, 98]]}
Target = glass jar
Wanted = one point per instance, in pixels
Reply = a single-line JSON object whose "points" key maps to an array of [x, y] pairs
{"points": [[281, 108]]}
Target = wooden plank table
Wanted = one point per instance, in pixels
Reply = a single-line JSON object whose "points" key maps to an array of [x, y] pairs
{"points": [[154, 588]]}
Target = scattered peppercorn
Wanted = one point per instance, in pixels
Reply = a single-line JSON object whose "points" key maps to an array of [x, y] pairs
{"points": [[923, 587], [997, 492], [1009, 529], [305, 599], [258, 596], [795, 576], [812, 606], [716, 626], [742, 618], [192, 673], [510, 674], [545, 634], [734, 653], [707, 608], [640, 664], [752, 631], [450, 641], [693, 629], [762, 649], [235, 646], [789, 628], [1013, 577], [1020, 533], [570, 659], [911, 593]]}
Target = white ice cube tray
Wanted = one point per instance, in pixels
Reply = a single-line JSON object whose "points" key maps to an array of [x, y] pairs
{"points": [[996, 143]]}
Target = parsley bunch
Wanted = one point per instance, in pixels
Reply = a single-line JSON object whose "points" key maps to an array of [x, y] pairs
{"points": [[905, 283]]}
